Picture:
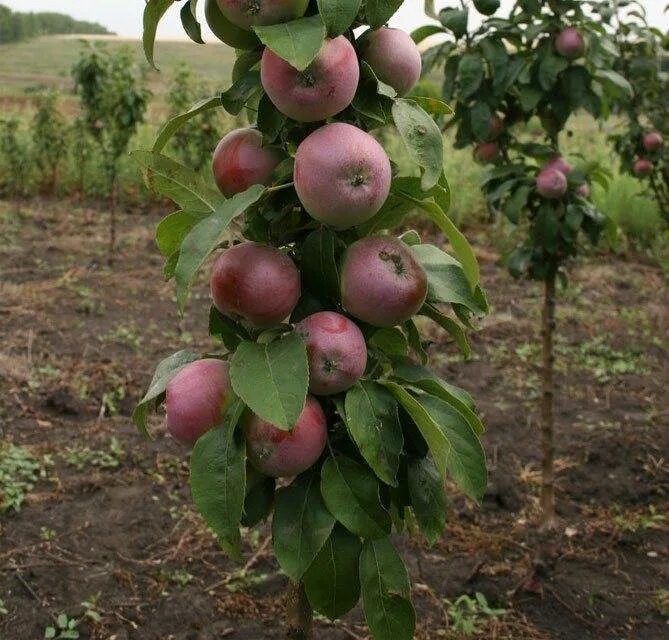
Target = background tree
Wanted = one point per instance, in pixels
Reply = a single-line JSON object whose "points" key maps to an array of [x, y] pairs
{"points": [[49, 132], [192, 143], [373, 449], [544, 62], [114, 99], [643, 57]]}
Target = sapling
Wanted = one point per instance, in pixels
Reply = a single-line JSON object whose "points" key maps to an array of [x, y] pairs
{"points": [[313, 314]]}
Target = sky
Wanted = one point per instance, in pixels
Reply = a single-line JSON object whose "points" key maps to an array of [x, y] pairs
{"points": [[125, 16]]}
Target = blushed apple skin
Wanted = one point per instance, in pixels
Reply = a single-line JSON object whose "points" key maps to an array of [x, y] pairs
{"points": [[496, 127], [382, 283], [643, 167], [241, 161], [393, 56], [559, 163], [195, 399], [256, 283], [551, 184], [277, 453], [570, 43], [336, 349], [486, 152], [249, 13], [583, 190], [342, 175], [322, 90], [652, 141]]}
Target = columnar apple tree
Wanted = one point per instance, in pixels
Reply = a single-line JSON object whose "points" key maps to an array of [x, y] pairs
{"points": [[641, 143], [315, 405], [544, 61]]}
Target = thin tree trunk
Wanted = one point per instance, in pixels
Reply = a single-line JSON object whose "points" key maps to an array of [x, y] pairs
{"points": [[112, 222], [548, 393], [299, 617]]}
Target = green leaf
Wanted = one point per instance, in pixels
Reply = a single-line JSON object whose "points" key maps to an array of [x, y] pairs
{"points": [[613, 78], [175, 123], [422, 138], [351, 494], [272, 379], [218, 478], [259, 498], [455, 447], [433, 106], [427, 381], [245, 62], [153, 13], [486, 7], [165, 371], [516, 202], [461, 246], [414, 341], [270, 120], [297, 42], [332, 582], [427, 30], [378, 12], [189, 22], [206, 236], [471, 71], [480, 115], [225, 329], [447, 281], [172, 229], [235, 98], [300, 526], [391, 341], [374, 425], [338, 15], [428, 500], [455, 20], [386, 592], [449, 325], [318, 266], [177, 182], [550, 67]]}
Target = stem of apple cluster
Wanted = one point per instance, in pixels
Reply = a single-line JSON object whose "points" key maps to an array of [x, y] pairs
{"points": [[279, 187], [299, 616]]}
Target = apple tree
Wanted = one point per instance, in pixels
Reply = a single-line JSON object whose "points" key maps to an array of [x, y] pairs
{"points": [[641, 143], [316, 405], [543, 62]]}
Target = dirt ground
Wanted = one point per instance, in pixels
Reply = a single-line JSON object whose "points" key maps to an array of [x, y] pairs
{"points": [[111, 523]]}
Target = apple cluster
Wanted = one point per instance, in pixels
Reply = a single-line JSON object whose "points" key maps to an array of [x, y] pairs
{"points": [[341, 178], [651, 143]]}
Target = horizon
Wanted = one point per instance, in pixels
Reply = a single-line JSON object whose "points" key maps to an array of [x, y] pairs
{"points": [[124, 17]]}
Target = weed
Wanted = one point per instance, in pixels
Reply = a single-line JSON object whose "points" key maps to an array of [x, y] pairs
{"points": [[18, 473], [45, 533], [3, 608], [467, 614], [111, 400], [605, 362], [633, 522], [64, 629], [91, 609], [181, 577], [81, 458], [661, 602], [123, 334]]}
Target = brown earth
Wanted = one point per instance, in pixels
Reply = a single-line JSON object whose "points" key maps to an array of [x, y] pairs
{"points": [[114, 521]]}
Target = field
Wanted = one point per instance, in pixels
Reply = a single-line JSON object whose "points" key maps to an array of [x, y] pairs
{"points": [[111, 521], [99, 530]]}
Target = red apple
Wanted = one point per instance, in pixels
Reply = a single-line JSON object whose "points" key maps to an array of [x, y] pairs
{"points": [[337, 352], [256, 283]]}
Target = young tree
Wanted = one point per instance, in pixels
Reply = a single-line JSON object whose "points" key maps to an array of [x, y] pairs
{"points": [[113, 99], [544, 61], [641, 145], [320, 375], [14, 158], [49, 135], [192, 143]]}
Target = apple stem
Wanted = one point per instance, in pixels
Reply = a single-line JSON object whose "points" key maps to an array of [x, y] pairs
{"points": [[299, 616], [279, 187]]}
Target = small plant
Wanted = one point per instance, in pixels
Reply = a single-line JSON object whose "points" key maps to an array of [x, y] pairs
{"points": [[3, 608], [91, 609], [47, 534], [19, 471], [15, 161], [64, 629], [633, 522], [466, 615], [80, 458]]}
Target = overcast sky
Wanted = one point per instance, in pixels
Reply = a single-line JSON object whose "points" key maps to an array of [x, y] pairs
{"points": [[125, 16]]}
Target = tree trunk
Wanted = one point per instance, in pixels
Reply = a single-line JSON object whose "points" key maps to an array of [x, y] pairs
{"points": [[299, 617], [547, 419], [112, 221]]}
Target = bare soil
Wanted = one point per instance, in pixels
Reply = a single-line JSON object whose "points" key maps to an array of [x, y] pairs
{"points": [[79, 344]]}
